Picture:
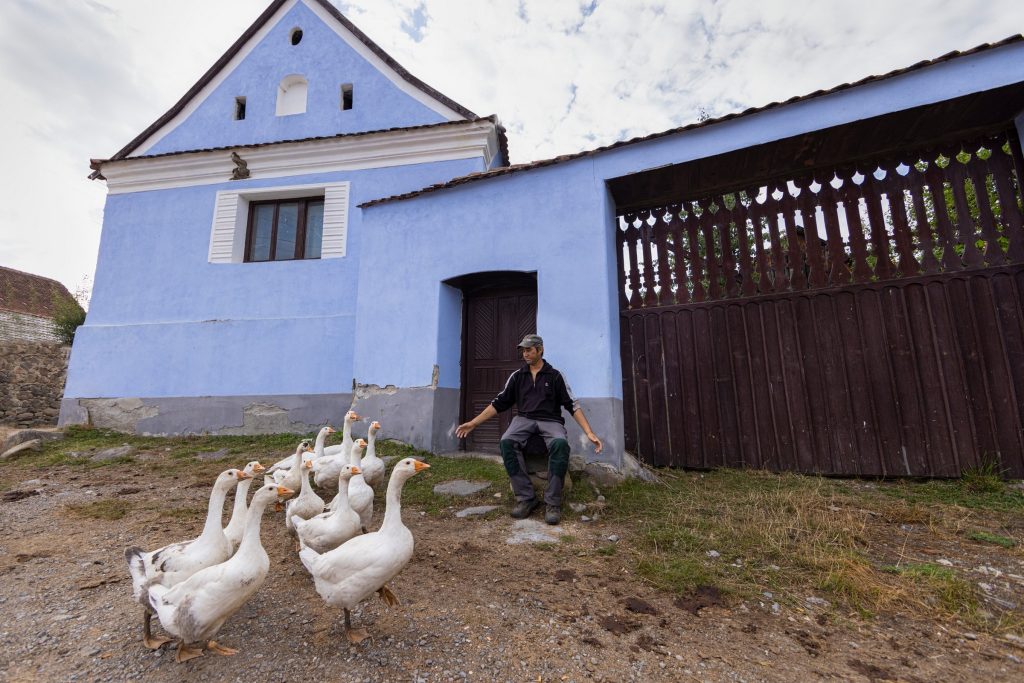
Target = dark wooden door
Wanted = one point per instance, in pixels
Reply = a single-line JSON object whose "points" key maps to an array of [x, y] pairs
{"points": [[496, 320]]}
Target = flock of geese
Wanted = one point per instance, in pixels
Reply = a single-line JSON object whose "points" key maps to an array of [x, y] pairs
{"points": [[195, 586]]}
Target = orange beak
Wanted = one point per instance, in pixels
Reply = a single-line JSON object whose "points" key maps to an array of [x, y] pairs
{"points": [[242, 476], [420, 465], [283, 491], [330, 429], [356, 470], [375, 426], [307, 449], [308, 464], [354, 416], [257, 468]]}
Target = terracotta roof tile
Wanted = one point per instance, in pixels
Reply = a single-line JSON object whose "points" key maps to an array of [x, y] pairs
{"points": [[22, 292], [516, 168]]}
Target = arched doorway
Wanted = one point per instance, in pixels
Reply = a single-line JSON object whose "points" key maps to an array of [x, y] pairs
{"points": [[498, 309]]}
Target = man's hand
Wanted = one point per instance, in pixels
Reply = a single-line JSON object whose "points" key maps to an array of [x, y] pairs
{"points": [[596, 441], [463, 430]]}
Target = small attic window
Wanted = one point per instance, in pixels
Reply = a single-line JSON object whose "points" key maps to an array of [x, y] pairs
{"points": [[291, 95], [239, 108], [296, 36], [346, 96]]}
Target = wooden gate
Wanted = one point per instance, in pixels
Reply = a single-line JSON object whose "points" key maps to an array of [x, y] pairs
{"points": [[498, 312], [860, 320]]}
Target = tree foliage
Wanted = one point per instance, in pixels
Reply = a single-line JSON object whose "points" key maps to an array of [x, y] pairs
{"points": [[69, 314]]}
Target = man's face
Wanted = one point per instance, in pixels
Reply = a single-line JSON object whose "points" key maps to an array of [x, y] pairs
{"points": [[532, 354]]}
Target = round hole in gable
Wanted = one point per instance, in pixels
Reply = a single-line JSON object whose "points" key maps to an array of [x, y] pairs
{"points": [[296, 36]]}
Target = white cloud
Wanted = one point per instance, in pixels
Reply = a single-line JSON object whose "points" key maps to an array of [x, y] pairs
{"points": [[82, 78]]}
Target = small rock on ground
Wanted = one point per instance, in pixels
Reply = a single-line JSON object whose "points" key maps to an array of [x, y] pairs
{"points": [[476, 511], [461, 487]]}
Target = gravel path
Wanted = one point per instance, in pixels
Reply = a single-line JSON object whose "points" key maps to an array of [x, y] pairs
{"points": [[475, 608]]}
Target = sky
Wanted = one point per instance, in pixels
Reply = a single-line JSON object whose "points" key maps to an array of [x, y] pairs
{"points": [[81, 78]]}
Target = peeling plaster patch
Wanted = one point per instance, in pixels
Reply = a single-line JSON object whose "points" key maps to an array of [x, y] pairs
{"points": [[265, 418], [121, 414], [364, 391]]}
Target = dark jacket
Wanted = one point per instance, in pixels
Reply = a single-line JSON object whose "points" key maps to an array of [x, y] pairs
{"points": [[540, 400]]}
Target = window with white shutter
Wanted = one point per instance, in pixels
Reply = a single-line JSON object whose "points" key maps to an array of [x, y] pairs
{"points": [[231, 218]]}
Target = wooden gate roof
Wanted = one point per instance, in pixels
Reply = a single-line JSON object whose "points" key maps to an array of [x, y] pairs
{"points": [[931, 116]]}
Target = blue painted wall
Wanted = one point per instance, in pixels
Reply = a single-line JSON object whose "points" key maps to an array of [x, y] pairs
{"points": [[556, 222], [163, 321], [326, 61]]}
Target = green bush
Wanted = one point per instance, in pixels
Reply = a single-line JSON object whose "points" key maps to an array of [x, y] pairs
{"points": [[67, 316]]}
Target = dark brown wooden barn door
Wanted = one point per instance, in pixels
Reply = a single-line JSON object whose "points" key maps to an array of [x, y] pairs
{"points": [[496, 319]]}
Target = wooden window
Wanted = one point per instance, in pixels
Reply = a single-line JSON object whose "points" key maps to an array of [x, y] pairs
{"points": [[284, 230]]}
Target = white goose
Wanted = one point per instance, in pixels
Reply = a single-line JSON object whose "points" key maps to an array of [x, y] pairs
{"points": [[358, 568], [372, 466], [174, 563], [307, 504], [360, 495], [276, 470], [346, 435], [291, 477], [328, 530], [286, 463], [329, 466], [194, 610], [236, 525]]}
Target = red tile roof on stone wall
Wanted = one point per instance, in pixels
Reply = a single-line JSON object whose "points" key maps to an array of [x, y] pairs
{"points": [[22, 292]]}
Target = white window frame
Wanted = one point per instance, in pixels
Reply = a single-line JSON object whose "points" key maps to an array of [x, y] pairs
{"points": [[231, 216]]}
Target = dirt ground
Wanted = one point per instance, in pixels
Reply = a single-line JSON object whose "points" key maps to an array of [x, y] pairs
{"points": [[474, 608]]}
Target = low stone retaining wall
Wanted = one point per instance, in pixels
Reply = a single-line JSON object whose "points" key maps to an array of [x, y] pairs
{"points": [[31, 382]]}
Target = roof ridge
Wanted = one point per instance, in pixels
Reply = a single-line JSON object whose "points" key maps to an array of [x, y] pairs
{"points": [[530, 165], [248, 34]]}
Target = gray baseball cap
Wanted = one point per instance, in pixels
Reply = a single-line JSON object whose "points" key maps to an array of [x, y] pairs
{"points": [[531, 341]]}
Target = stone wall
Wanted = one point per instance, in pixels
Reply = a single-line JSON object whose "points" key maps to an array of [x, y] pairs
{"points": [[31, 382]]}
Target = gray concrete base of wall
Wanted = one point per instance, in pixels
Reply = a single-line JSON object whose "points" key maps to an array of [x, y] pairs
{"points": [[423, 417], [208, 414]]}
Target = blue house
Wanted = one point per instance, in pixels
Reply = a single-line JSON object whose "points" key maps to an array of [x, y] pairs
{"points": [[311, 225]]}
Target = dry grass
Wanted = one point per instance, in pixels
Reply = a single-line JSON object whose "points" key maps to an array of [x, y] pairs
{"points": [[107, 508], [797, 537]]}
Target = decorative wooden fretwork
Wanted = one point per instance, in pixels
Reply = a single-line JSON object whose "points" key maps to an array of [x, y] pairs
{"points": [[937, 210]]}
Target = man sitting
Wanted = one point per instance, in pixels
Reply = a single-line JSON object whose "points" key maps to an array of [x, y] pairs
{"points": [[539, 392]]}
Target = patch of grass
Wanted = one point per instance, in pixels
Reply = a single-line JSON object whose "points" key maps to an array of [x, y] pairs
{"points": [[997, 539], [567, 539], [184, 513], [607, 550], [985, 478], [110, 509], [940, 585], [979, 489], [80, 443], [678, 574], [546, 546], [419, 490]]}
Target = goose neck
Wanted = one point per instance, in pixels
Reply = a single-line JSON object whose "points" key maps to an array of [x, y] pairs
{"points": [[253, 520], [393, 502], [214, 511]]}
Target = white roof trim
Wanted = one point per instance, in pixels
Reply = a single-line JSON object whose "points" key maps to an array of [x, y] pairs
{"points": [[380, 65], [393, 148], [214, 83]]}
